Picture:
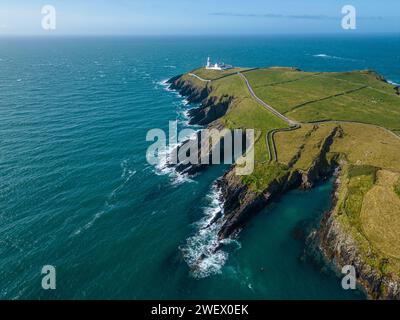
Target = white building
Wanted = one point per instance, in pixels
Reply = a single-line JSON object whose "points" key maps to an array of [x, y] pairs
{"points": [[217, 66]]}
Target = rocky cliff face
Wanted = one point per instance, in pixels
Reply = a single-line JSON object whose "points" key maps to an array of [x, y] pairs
{"points": [[339, 249], [207, 114], [211, 108], [241, 202], [185, 88]]}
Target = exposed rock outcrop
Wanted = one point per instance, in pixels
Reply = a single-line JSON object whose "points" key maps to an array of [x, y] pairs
{"points": [[211, 108], [241, 202], [340, 249], [193, 93], [207, 114]]}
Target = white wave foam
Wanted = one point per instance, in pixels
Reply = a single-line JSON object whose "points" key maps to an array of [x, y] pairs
{"points": [[91, 222], [199, 251], [164, 83], [126, 176], [393, 83], [327, 56], [321, 55], [185, 113], [164, 167], [184, 118], [170, 66], [109, 203]]}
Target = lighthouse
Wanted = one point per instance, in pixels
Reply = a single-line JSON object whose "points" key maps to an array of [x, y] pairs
{"points": [[208, 63], [217, 66]]}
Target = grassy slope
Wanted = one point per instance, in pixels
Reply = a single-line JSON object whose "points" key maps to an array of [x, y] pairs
{"points": [[216, 74], [380, 214], [244, 113], [370, 156], [367, 206], [366, 105], [352, 96]]}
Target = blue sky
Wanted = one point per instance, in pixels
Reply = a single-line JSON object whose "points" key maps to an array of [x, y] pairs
{"points": [[156, 17]]}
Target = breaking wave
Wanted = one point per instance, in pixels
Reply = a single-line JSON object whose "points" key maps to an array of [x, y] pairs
{"points": [[200, 250], [165, 85], [164, 167], [327, 56]]}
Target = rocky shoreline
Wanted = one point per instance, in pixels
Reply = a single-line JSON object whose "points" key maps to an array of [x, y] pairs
{"points": [[338, 248], [210, 109], [241, 203]]}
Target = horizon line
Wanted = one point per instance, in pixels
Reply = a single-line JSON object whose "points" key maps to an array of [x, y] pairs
{"points": [[53, 35]]}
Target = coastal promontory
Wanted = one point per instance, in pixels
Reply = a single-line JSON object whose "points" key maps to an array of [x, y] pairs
{"points": [[312, 126]]}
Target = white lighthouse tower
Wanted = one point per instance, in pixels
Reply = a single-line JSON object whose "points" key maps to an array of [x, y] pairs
{"points": [[217, 66]]}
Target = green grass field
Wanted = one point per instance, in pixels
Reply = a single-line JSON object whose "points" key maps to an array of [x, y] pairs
{"points": [[360, 180], [304, 96], [216, 74], [366, 105], [266, 77], [360, 96], [369, 78], [368, 206], [244, 111]]}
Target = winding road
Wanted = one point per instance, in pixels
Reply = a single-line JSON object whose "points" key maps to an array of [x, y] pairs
{"points": [[274, 111], [199, 78], [294, 125]]}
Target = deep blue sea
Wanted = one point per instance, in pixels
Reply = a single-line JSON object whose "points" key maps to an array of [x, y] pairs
{"points": [[77, 193]]}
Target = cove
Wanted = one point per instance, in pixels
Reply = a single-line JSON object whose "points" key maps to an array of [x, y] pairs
{"points": [[270, 262]]}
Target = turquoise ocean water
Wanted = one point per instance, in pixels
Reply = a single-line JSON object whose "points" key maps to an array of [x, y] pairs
{"points": [[76, 191]]}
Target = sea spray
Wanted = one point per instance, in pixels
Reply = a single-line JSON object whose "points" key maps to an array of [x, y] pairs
{"points": [[201, 252], [165, 155]]}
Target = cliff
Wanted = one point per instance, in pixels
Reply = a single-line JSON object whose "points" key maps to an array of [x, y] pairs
{"points": [[241, 201], [308, 154], [339, 248], [211, 107]]}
